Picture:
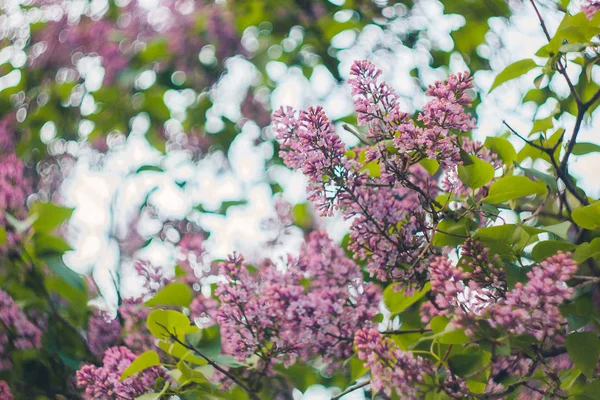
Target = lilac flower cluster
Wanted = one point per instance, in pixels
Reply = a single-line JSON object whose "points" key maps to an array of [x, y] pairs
{"points": [[105, 381], [590, 8], [391, 368], [5, 393], [17, 332], [378, 107], [7, 132], [382, 188], [274, 316], [102, 333], [154, 276], [530, 308], [136, 335]]}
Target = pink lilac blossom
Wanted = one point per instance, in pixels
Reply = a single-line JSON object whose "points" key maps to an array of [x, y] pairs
{"points": [[102, 333], [154, 276], [203, 311], [378, 107], [532, 307], [386, 215], [17, 333], [590, 8], [5, 393], [7, 133], [191, 248], [300, 322], [136, 335], [391, 368], [105, 381]]}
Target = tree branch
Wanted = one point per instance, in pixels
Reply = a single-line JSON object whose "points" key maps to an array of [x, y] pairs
{"points": [[350, 389], [216, 366]]}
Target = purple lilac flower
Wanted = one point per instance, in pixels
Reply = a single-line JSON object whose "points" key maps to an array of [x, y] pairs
{"points": [[300, 322], [105, 381], [5, 393], [590, 8], [102, 333], [22, 333], [391, 368]]}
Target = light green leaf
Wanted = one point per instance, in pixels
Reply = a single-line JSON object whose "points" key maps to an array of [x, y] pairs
{"points": [[48, 245], [513, 71], [584, 350], [174, 294], [585, 148], [542, 125], [513, 187], [477, 174], [143, 361], [587, 250], [587, 217], [164, 323], [430, 166], [503, 148], [397, 302], [2, 235], [49, 216]]}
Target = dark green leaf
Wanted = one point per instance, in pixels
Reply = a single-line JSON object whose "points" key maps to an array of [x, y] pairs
{"points": [[584, 350]]}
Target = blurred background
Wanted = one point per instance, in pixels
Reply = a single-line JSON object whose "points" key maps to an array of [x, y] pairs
{"points": [[151, 118]]}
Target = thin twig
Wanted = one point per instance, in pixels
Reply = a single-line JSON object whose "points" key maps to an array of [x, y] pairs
{"points": [[407, 331], [350, 390], [216, 366], [356, 133]]}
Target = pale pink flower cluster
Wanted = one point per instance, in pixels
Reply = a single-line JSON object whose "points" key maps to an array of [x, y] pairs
{"points": [[313, 307], [590, 8], [378, 107], [102, 333], [154, 276], [386, 214], [382, 188], [5, 393], [530, 308], [392, 370], [17, 332], [104, 382]]}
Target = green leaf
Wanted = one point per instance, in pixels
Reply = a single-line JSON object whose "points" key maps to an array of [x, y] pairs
{"points": [[2, 235], [587, 217], [513, 71], [513, 187], [587, 250], [174, 294], [585, 148], [468, 362], [397, 302], [446, 333], [149, 168], [547, 248], [430, 166], [572, 47], [561, 230], [143, 361], [49, 216], [164, 323], [542, 125], [477, 174], [49, 245], [503, 148], [584, 350], [190, 375], [452, 233], [373, 169], [549, 180], [67, 274]]}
